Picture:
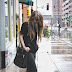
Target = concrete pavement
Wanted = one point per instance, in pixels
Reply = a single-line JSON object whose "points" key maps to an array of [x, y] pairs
{"points": [[65, 35], [45, 63], [53, 55]]}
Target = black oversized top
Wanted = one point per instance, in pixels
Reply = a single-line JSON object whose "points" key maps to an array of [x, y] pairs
{"points": [[32, 44]]}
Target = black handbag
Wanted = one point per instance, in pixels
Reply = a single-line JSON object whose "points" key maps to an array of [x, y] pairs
{"points": [[20, 59]]}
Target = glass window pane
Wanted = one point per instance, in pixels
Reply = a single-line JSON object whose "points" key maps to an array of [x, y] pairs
{"points": [[6, 22], [12, 17]]}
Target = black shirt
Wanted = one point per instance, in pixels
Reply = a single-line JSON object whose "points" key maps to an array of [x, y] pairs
{"points": [[32, 44]]}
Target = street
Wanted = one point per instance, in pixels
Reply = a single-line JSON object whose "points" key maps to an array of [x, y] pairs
{"points": [[65, 35]]}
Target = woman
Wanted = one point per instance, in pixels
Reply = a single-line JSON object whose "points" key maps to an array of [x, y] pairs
{"points": [[28, 36]]}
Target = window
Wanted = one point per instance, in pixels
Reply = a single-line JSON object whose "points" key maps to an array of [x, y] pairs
{"points": [[6, 22], [66, 3], [12, 18], [62, 19], [66, 13], [64, 0], [66, 8], [70, 0], [69, 11]]}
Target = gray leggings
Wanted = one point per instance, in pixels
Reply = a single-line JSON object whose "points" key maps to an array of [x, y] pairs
{"points": [[31, 66]]}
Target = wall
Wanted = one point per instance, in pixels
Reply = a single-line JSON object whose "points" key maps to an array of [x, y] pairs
{"points": [[24, 12]]}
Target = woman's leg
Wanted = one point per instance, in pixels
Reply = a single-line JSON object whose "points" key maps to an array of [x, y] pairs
{"points": [[31, 63]]}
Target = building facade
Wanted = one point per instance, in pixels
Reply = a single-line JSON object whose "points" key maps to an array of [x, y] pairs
{"points": [[57, 11], [7, 31], [67, 11], [26, 12]]}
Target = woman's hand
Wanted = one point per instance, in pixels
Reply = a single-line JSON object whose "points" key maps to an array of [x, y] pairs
{"points": [[27, 49]]}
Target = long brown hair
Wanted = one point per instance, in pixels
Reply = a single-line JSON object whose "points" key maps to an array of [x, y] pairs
{"points": [[39, 24]]}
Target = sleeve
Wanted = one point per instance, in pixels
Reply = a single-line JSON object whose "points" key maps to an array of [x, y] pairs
{"points": [[23, 29]]}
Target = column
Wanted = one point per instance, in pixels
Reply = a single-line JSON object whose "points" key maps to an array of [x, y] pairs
{"points": [[2, 33], [14, 19]]}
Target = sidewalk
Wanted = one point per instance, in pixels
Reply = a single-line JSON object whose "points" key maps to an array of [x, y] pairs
{"points": [[49, 62], [44, 61]]}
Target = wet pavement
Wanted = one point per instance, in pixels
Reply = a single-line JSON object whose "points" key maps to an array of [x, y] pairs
{"points": [[60, 55], [54, 55], [65, 35], [60, 47]]}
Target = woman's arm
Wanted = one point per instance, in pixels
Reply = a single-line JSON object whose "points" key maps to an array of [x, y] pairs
{"points": [[22, 42]]}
